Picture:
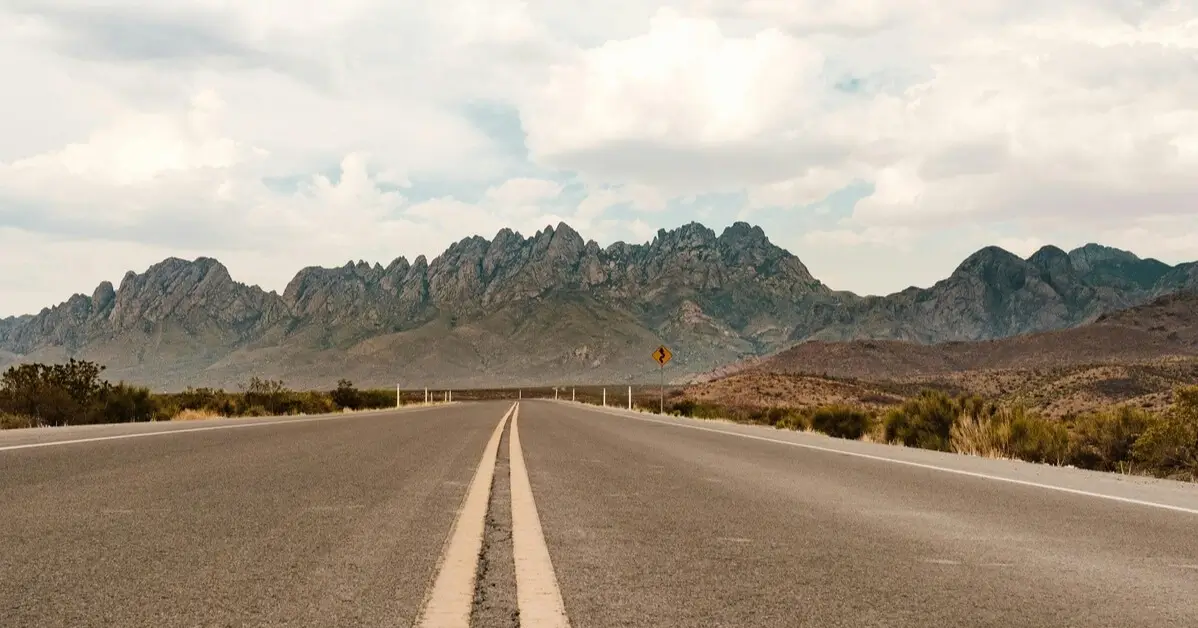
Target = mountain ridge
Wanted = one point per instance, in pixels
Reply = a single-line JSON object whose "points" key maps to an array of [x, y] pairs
{"points": [[581, 311]]}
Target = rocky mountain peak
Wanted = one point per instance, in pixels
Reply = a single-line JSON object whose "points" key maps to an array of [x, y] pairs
{"points": [[743, 233], [989, 261], [103, 295], [1087, 257], [1115, 268], [1052, 260]]}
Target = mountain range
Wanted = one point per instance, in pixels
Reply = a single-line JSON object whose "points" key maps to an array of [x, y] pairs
{"points": [[553, 307]]}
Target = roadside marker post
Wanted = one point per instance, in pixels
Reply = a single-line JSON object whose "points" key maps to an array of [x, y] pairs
{"points": [[661, 356], [604, 397], [571, 394], [630, 397], [398, 396], [426, 395]]}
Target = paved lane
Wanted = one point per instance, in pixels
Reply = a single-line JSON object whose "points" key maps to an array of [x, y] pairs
{"points": [[334, 522], [656, 525]]}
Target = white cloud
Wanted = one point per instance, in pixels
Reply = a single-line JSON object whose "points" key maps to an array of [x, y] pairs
{"points": [[683, 106], [808, 188], [279, 134]]}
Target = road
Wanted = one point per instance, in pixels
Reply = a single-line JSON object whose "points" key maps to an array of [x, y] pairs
{"points": [[332, 522], [596, 517]]}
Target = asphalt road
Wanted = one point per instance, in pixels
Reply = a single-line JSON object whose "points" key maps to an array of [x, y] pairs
{"points": [[294, 522], [653, 524], [624, 519]]}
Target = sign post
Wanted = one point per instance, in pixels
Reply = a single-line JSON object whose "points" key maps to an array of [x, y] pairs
{"points": [[661, 356]]}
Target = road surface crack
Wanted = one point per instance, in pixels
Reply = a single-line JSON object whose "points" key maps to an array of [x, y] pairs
{"points": [[495, 603]]}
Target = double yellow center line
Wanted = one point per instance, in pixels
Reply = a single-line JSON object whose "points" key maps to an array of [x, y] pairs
{"points": [[538, 596]]}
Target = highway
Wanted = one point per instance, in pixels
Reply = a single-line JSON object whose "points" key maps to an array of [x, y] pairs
{"points": [[582, 517]]}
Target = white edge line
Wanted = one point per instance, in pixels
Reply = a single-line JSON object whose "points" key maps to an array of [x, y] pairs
{"points": [[921, 465], [449, 600], [96, 439], [538, 596]]}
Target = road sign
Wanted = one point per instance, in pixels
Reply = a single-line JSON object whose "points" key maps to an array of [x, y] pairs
{"points": [[662, 355]]}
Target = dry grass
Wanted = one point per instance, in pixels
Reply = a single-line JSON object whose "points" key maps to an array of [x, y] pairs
{"points": [[196, 415]]}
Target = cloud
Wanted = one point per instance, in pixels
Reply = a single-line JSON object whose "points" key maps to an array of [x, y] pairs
{"points": [[279, 134]]}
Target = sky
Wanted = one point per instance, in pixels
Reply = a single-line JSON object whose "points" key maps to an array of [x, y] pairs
{"points": [[881, 141]]}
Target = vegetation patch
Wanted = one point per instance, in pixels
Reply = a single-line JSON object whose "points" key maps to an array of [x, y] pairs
{"points": [[74, 393], [1122, 439]]}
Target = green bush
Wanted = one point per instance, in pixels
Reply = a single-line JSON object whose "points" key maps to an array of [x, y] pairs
{"points": [[346, 396], [1169, 445], [925, 421], [271, 395], [70, 394], [316, 403], [124, 403], [374, 399], [841, 422], [1103, 441]]}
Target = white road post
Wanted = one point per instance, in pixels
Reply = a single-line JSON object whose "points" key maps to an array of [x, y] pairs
{"points": [[630, 397], [571, 394], [604, 397], [398, 396], [426, 395]]}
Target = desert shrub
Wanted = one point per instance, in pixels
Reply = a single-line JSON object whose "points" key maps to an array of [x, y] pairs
{"points": [[315, 403], [253, 411], [841, 422], [58, 394], [684, 407], [208, 399], [346, 396], [71, 394], [1169, 445], [166, 408], [14, 421], [123, 403], [775, 414], [795, 420], [1010, 433], [1104, 440], [925, 421], [271, 395], [379, 398]]}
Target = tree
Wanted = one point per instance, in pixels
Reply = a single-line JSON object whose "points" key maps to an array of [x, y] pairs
{"points": [[58, 394], [346, 396]]}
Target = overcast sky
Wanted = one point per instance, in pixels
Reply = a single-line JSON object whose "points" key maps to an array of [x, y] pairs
{"points": [[881, 141]]}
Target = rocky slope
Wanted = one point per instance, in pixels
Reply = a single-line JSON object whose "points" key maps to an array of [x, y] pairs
{"points": [[517, 309], [1165, 328]]}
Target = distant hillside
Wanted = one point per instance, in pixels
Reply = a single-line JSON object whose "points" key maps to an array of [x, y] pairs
{"points": [[554, 307], [1165, 327]]}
